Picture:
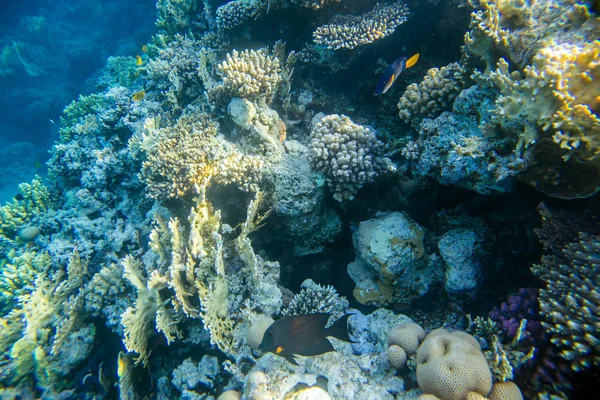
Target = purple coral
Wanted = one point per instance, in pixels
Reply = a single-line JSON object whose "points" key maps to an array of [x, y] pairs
{"points": [[523, 305]]}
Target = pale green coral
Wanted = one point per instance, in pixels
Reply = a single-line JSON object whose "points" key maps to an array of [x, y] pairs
{"points": [[17, 276]]}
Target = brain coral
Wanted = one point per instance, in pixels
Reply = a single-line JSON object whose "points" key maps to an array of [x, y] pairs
{"points": [[396, 356], [407, 335], [257, 330], [506, 391], [349, 155], [450, 366]]}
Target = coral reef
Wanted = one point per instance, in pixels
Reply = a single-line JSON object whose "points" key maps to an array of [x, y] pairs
{"points": [[349, 31], [349, 155], [387, 248], [435, 94], [191, 153], [568, 302]]}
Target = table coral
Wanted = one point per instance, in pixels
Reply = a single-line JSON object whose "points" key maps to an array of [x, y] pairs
{"points": [[349, 31], [349, 155]]}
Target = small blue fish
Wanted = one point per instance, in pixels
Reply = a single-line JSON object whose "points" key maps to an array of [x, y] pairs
{"points": [[392, 72]]}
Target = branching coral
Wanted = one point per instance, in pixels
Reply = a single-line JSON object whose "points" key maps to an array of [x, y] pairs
{"points": [[174, 71], [315, 298], [349, 155], [349, 31], [434, 94], [250, 74], [191, 153], [571, 300], [315, 4], [17, 276], [178, 16]]}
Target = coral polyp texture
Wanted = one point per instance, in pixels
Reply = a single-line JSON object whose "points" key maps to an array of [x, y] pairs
{"points": [[350, 31], [191, 153], [432, 96], [251, 73], [232, 133], [349, 155], [570, 302]]}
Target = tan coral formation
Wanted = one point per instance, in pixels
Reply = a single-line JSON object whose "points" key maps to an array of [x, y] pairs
{"points": [[407, 335], [251, 73], [450, 366], [349, 31], [190, 153], [432, 96]]}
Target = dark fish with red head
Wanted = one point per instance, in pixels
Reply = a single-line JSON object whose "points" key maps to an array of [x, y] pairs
{"points": [[303, 335], [392, 72]]}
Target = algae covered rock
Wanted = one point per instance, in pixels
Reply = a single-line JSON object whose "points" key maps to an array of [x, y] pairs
{"points": [[391, 264]]}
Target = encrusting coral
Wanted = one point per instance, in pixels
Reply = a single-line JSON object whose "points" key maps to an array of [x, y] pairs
{"points": [[349, 155], [349, 31]]}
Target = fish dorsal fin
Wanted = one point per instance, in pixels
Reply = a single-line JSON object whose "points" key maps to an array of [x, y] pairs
{"points": [[412, 61]]}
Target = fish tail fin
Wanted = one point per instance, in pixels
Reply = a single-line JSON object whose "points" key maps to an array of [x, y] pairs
{"points": [[412, 61], [339, 329]]}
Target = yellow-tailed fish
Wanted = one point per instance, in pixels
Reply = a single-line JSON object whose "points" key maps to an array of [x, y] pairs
{"points": [[138, 96], [392, 72], [145, 48], [138, 60]]}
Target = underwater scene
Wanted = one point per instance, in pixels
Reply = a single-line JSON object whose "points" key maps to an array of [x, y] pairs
{"points": [[299, 199]]}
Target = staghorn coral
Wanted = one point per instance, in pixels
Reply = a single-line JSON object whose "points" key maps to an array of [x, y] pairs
{"points": [[349, 155], [251, 74], [570, 301], [315, 298], [190, 153], [349, 31], [433, 95]]}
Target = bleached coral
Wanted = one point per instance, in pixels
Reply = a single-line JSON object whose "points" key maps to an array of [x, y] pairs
{"points": [[191, 153], [349, 31], [251, 74], [434, 94], [349, 155]]}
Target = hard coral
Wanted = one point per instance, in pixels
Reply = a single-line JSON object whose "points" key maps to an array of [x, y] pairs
{"points": [[449, 366], [432, 96], [571, 300], [349, 31], [191, 153], [251, 74], [349, 155]]}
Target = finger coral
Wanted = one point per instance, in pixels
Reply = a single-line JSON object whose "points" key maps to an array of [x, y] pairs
{"points": [[349, 155], [432, 96], [349, 31], [251, 74]]}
